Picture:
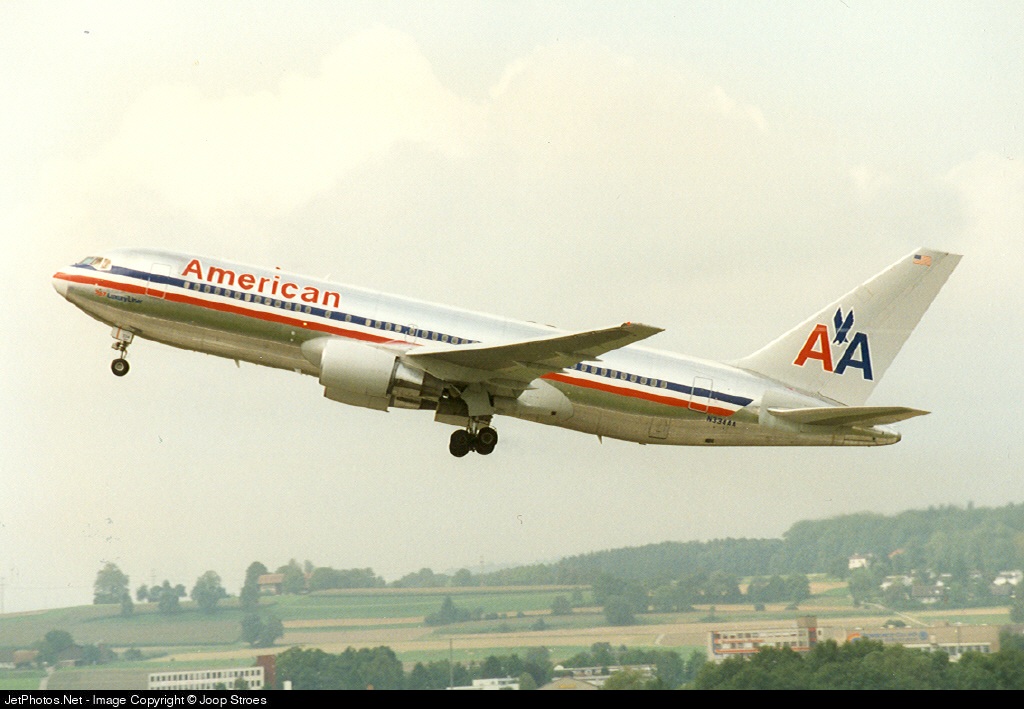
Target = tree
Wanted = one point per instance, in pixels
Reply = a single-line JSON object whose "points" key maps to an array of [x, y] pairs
{"points": [[537, 662], [111, 585], [249, 597], [449, 613], [294, 578], [561, 606], [424, 578], [251, 627], [671, 669], [273, 629], [54, 643], [619, 611], [142, 593], [1017, 608], [261, 633], [462, 577], [379, 668], [626, 679], [166, 598], [527, 682], [207, 592]]}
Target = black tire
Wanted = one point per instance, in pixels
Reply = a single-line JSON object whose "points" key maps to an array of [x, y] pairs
{"points": [[460, 443], [119, 367], [484, 450], [486, 438]]}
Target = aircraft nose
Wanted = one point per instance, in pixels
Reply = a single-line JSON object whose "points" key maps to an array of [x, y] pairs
{"points": [[60, 284]]}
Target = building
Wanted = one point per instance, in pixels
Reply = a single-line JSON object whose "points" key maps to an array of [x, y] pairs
{"points": [[270, 584], [254, 678], [954, 640], [492, 683], [1006, 583], [596, 676], [741, 642], [859, 561], [569, 683]]}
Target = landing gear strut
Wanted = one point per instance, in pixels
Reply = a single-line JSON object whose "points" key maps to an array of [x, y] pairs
{"points": [[482, 440], [123, 338]]}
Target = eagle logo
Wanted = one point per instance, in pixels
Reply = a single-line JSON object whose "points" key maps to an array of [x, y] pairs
{"points": [[842, 326]]}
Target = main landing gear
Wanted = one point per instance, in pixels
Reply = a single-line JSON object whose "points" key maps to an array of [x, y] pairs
{"points": [[482, 440], [123, 338]]}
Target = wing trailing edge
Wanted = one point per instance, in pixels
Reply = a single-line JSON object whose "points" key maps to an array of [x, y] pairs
{"points": [[847, 415], [525, 360]]}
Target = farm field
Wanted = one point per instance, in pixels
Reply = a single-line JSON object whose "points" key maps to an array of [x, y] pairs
{"points": [[512, 620]]}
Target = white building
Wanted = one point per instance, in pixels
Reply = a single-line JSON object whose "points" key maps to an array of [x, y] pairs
{"points": [[206, 679], [493, 683]]}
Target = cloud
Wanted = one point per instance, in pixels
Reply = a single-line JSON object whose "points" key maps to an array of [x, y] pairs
{"points": [[273, 151]]}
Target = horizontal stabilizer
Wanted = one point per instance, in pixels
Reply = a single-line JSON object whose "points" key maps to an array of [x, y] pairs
{"points": [[847, 415]]}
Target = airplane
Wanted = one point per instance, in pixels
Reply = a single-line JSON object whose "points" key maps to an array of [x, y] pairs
{"points": [[381, 351]]}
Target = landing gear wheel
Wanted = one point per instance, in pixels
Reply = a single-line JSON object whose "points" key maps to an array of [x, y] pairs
{"points": [[122, 338], [460, 443], [487, 436], [486, 440]]}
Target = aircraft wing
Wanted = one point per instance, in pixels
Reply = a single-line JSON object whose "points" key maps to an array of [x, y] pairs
{"points": [[515, 364], [847, 415]]}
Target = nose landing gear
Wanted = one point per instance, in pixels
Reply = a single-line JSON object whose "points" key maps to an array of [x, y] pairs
{"points": [[482, 440], [123, 338]]}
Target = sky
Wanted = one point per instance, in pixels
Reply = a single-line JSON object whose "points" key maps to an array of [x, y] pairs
{"points": [[718, 169]]}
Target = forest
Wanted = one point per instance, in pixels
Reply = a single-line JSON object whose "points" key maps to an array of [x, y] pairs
{"points": [[941, 540]]}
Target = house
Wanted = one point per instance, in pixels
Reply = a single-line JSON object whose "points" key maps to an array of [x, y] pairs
{"points": [[270, 584], [25, 658], [926, 593], [1012, 578], [1006, 583], [891, 581], [859, 561]]}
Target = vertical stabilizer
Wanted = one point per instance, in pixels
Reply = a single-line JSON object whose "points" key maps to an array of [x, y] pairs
{"points": [[842, 352]]}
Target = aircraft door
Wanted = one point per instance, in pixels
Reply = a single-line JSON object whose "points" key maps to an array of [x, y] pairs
{"points": [[158, 276], [700, 395]]}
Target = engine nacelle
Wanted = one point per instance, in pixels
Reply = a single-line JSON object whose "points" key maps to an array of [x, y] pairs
{"points": [[361, 375]]}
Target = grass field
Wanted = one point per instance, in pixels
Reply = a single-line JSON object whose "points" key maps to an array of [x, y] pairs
{"points": [[519, 618], [13, 680]]}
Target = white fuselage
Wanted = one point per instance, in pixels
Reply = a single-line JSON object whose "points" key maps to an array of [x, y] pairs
{"points": [[264, 316]]}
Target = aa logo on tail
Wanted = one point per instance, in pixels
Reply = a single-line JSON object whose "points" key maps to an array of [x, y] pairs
{"points": [[856, 354]]}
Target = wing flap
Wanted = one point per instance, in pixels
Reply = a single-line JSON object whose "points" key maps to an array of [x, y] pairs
{"points": [[847, 415]]}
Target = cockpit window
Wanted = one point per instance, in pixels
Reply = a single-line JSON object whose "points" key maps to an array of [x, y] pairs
{"points": [[97, 262]]}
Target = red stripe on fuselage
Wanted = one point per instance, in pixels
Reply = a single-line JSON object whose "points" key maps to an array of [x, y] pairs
{"points": [[227, 308], [634, 394], [366, 337]]}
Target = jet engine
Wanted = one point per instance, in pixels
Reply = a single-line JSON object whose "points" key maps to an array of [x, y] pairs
{"points": [[361, 375]]}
